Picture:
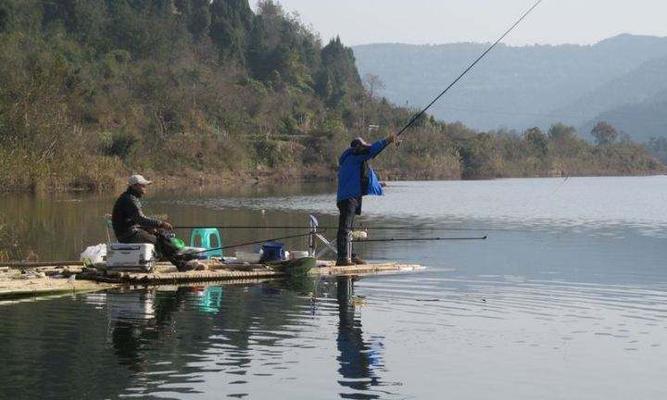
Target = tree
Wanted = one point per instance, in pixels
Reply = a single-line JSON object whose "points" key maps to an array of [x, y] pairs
{"points": [[373, 84], [4, 17], [231, 24], [604, 133], [338, 77], [198, 18], [536, 141], [561, 133]]}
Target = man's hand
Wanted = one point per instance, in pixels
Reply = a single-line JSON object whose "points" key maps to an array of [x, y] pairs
{"points": [[391, 138], [167, 226]]}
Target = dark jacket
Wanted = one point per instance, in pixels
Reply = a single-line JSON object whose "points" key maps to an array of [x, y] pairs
{"points": [[355, 177], [127, 216]]}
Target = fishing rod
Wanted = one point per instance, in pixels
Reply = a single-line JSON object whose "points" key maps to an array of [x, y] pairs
{"points": [[363, 228], [249, 227], [471, 66], [428, 239], [249, 243]]}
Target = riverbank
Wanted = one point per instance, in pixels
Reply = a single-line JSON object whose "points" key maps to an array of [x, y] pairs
{"points": [[116, 180]]}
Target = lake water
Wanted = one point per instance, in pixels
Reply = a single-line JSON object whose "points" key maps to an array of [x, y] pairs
{"points": [[566, 299]]}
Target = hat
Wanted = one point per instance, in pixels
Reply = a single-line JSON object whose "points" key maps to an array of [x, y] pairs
{"points": [[359, 141], [138, 180]]}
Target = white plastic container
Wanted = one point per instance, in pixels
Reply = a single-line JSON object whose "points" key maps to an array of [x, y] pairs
{"points": [[140, 255], [246, 256], [296, 254]]}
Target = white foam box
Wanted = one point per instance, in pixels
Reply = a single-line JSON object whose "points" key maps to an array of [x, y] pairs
{"points": [[125, 255]]}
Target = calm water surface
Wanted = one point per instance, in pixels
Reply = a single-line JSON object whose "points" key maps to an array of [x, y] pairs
{"points": [[565, 300]]}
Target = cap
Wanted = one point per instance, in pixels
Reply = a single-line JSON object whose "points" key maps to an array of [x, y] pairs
{"points": [[138, 180], [359, 141]]}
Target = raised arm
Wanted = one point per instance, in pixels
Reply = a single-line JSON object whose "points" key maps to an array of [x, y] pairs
{"points": [[377, 147]]}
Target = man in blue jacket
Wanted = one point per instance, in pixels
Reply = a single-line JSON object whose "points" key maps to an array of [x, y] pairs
{"points": [[355, 180]]}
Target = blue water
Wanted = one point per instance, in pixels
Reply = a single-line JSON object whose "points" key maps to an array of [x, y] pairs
{"points": [[566, 299]]}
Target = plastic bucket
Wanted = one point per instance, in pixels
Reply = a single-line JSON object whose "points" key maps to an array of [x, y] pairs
{"points": [[273, 251]]}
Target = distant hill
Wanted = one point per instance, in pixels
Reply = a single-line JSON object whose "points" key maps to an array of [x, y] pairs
{"points": [[519, 87], [634, 103], [642, 120]]}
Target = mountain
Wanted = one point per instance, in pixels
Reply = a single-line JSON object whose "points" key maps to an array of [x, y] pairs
{"points": [[641, 120], [634, 103], [519, 87]]}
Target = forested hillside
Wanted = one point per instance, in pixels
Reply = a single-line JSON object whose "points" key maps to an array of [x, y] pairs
{"points": [[91, 90]]}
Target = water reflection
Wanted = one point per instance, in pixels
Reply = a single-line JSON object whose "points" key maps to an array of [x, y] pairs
{"points": [[137, 318], [358, 360], [216, 331]]}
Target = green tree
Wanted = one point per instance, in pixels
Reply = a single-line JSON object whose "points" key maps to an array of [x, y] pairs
{"points": [[4, 17], [338, 78], [561, 133], [231, 23], [197, 15], [604, 133], [536, 142]]}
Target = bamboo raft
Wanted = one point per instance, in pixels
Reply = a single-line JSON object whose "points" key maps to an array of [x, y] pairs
{"points": [[166, 273], [44, 279]]}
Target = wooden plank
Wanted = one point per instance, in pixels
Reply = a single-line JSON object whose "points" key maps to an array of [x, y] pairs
{"points": [[18, 288], [27, 264]]}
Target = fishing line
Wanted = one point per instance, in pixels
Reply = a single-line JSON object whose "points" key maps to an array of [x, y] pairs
{"points": [[426, 239], [471, 66], [248, 243], [357, 228]]}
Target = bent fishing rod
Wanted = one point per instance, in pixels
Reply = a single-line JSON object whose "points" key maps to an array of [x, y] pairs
{"points": [[426, 239], [430, 239], [324, 228], [470, 67], [232, 246]]}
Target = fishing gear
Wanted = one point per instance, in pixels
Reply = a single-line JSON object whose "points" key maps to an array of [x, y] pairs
{"points": [[471, 66], [363, 228], [427, 239], [248, 243]]}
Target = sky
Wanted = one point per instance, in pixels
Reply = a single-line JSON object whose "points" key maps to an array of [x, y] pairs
{"points": [[446, 21]]}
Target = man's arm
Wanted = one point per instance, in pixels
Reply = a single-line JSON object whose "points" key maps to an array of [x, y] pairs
{"points": [[140, 219], [380, 145]]}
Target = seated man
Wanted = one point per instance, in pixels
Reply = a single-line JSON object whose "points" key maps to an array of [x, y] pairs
{"points": [[130, 225]]}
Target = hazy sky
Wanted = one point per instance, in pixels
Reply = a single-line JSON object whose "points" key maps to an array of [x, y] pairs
{"points": [[446, 21]]}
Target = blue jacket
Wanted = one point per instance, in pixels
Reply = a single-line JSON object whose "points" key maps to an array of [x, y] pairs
{"points": [[351, 168]]}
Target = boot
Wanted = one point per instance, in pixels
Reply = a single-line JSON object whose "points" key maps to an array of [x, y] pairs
{"points": [[358, 260], [346, 262]]}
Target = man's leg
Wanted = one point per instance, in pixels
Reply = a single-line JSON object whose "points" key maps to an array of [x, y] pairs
{"points": [[141, 236], [347, 210], [171, 253], [163, 246]]}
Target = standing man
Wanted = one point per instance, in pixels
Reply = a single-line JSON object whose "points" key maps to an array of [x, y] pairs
{"points": [[130, 225], [355, 180]]}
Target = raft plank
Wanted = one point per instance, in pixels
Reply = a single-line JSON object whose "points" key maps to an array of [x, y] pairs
{"points": [[12, 286], [166, 273], [29, 264], [194, 276], [16, 288]]}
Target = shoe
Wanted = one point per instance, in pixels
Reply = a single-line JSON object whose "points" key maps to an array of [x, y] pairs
{"points": [[358, 261], [344, 263]]}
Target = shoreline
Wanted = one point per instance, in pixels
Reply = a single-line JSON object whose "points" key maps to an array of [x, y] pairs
{"points": [[200, 180]]}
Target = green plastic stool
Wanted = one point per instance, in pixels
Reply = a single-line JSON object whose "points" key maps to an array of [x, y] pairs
{"points": [[208, 238]]}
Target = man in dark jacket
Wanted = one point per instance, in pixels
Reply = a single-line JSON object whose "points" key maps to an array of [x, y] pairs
{"points": [[355, 180], [130, 225]]}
